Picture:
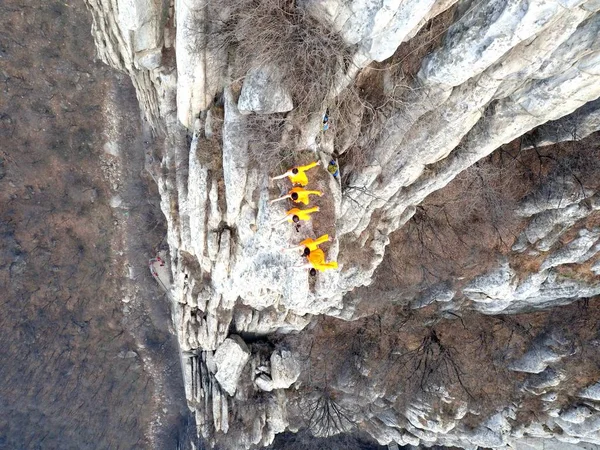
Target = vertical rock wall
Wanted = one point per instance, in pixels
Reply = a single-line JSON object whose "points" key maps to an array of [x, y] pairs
{"points": [[503, 68]]}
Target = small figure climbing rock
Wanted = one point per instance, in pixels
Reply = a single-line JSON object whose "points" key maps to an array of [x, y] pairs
{"points": [[316, 261], [326, 121], [297, 175], [310, 244], [295, 215], [333, 168], [298, 195]]}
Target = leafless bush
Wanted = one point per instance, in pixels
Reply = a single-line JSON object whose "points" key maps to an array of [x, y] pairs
{"points": [[495, 195], [326, 417], [303, 440], [281, 34], [432, 364], [268, 145]]}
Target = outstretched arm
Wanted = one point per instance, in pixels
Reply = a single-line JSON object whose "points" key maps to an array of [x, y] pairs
{"points": [[277, 222], [309, 166], [322, 239], [292, 249], [279, 199], [304, 266], [279, 177]]}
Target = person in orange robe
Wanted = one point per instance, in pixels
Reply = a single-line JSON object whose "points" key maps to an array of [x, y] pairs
{"points": [[310, 244], [298, 195], [316, 261], [295, 215], [297, 175]]}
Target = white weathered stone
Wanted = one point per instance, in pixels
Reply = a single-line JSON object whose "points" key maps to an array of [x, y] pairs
{"points": [[499, 284], [141, 21], [269, 321], [235, 157], [285, 369], [573, 251], [577, 414], [549, 397], [392, 24], [483, 35], [549, 349], [231, 358], [576, 126], [264, 92], [264, 383], [556, 194], [438, 293], [596, 267], [539, 382], [149, 59], [591, 392], [200, 66]]}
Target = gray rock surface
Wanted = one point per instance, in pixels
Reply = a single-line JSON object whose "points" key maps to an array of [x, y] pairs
{"points": [[377, 27], [540, 382], [535, 360], [591, 392], [504, 68], [574, 251], [578, 125], [200, 64], [231, 358], [576, 414], [263, 92], [285, 369]]}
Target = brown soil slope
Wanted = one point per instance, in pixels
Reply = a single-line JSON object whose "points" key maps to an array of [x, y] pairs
{"points": [[72, 373]]}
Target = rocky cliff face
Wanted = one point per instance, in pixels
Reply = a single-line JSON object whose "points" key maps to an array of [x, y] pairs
{"points": [[419, 94]]}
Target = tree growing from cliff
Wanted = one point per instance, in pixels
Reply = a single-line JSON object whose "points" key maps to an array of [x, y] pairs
{"points": [[432, 363], [326, 417]]}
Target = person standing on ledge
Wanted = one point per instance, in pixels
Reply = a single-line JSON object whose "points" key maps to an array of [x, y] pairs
{"points": [[310, 244], [316, 261], [297, 175], [295, 215], [298, 195]]}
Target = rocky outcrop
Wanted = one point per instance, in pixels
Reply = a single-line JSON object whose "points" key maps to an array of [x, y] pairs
{"points": [[230, 359], [377, 28], [503, 68], [578, 125], [200, 62], [283, 371], [549, 349], [264, 93]]}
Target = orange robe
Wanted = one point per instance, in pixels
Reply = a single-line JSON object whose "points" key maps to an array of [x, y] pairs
{"points": [[303, 194], [303, 214], [313, 244], [300, 178], [317, 260]]}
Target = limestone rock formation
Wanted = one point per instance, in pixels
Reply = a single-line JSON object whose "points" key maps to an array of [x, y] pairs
{"points": [[429, 90], [230, 359], [285, 369], [264, 93]]}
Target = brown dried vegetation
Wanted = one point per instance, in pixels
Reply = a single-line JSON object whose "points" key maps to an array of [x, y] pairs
{"points": [[405, 356], [64, 380]]}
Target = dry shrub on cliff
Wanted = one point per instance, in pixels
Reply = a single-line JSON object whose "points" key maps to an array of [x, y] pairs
{"points": [[304, 440], [268, 143], [394, 354], [280, 34]]}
